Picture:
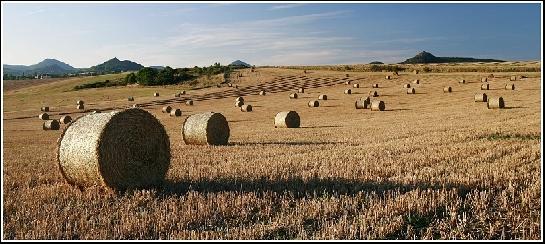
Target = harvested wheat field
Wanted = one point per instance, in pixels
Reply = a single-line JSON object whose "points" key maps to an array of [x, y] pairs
{"points": [[430, 166]]}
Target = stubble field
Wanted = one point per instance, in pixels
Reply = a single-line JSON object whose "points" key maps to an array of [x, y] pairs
{"points": [[433, 165]]}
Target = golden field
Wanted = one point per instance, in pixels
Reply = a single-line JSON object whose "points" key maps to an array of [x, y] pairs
{"points": [[433, 165]]}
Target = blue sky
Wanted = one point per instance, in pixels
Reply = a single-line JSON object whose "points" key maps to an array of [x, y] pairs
{"points": [[185, 35]]}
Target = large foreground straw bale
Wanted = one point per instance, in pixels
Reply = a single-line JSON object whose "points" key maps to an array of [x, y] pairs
{"points": [[51, 125], [206, 129], [120, 149], [495, 102], [377, 105], [288, 119]]}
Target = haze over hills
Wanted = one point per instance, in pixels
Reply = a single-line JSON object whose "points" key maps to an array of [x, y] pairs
{"points": [[47, 66], [426, 58]]}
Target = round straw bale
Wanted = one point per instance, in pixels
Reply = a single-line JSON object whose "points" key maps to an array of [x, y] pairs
{"points": [[289, 119], [66, 119], [182, 92], [246, 108], [176, 94], [513, 78], [130, 98], [375, 85], [301, 90], [80, 107], [411, 91], [121, 150], [262, 93], [347, 82], [347, 75], [239, 104], [236, 86], [156, 94], [313, 103], [362, 104], [176, 113], [51, 125], [491, 76], [495, 102], [347, 91], [135, 105], [377, 105], [462, 81], [230, 85], [189, 102], [407, 86], [415, 72], [484, 79], [79, 102], [416, 81], [239, 99], [166, 109], [485, 86], [293, 96], [388, 77], [356, 85], [481, 97], [373, 93], [510, 87], [322, 97], [206, 129], [44, 109], [43, 116], [447, 89]]}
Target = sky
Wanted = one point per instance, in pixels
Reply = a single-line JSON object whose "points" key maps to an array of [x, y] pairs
{"points": [[189, 34]]}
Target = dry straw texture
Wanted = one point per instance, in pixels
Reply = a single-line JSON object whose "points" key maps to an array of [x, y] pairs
{"points": [[293, 96], [44, 109], [189, 102], [510, 87], [166, 109], [239, 104], [356, 85], [447, 89], [176, 113], [43, 116], [481, 97], [120, 149], [66, 119], [246, 108], [288, 119], [373, 93], [485, 86], [410, 91], [407, 86], [416, 82], [377, 105], [347, 91], [206, 129], [51, 125], [313, 103], [495, 103], [322, 97]]}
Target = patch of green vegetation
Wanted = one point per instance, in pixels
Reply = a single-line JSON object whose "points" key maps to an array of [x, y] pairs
{"points": [[500, 136], [105, 83]]}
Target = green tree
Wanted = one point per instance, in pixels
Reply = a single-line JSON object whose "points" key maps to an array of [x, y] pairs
{"points": [[165, 76], [146, 76], [130, 78]]}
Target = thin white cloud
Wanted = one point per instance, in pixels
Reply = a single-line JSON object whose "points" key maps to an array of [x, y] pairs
{"points": [[286, 6], [411, 40], [34, 12]]}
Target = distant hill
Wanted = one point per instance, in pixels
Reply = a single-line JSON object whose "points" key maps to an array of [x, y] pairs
{"points": [[47, 66], [157, 67], [116, 65], [376, 62], [426, 58], [239, 63]]}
